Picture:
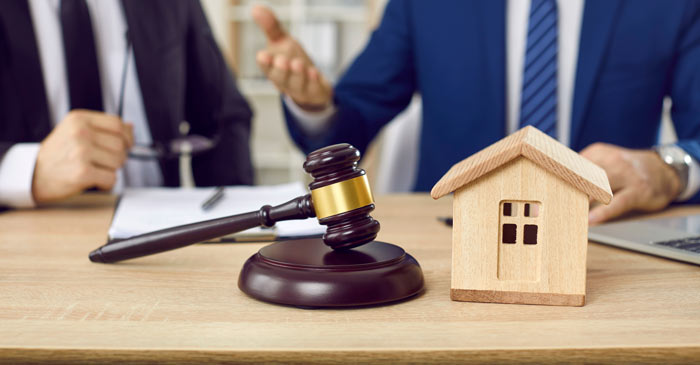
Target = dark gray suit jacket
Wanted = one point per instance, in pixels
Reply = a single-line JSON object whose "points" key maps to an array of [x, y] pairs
{"points": [[182, 76]]}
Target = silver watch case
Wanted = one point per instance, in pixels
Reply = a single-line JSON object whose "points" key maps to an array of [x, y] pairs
{"points": [[678, 159]]}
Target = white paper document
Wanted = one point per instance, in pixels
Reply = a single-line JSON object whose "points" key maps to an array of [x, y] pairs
{"points": [[142, 210]]}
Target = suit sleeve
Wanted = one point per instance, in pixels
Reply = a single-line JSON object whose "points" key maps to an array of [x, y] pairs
{"points": [[377, 86], [685, 86], [4, 147], [215, 107]]}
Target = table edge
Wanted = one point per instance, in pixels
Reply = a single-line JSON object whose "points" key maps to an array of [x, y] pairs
{"points": [[652, 354]]}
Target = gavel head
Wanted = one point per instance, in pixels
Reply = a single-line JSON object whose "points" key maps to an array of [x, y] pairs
{"points": [[341, 196]]}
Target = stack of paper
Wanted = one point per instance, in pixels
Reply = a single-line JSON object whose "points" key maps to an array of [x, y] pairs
{"points": [[150, 209]]}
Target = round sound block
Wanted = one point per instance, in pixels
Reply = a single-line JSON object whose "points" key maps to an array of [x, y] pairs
{"points": [[308, 273]]}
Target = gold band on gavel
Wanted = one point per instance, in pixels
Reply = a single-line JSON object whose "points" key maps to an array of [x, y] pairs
{"points": [[341, 197]]}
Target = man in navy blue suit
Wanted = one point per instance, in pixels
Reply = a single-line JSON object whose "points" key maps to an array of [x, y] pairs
{"points": [[591, 73]]}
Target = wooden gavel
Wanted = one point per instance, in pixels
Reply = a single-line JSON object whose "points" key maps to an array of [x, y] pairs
{"points": [[340, 198]]}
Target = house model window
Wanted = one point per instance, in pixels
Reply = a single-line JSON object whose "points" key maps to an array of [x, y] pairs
{"points": [[519, 217]]}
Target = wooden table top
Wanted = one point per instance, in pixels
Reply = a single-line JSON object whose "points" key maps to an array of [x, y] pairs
{"points": [[184, 305]]}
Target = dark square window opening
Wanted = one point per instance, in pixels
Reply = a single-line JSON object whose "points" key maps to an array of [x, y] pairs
{"points": [[508, 209], [530, 234], [509, 233], [531, 210]]}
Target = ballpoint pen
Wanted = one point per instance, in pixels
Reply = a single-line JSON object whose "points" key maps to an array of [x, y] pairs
{"points": [[213, 199], [446, 220]]}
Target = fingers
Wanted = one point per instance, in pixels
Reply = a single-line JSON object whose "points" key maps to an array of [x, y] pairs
{"points": [[94, 166], [618, 175], [287, 65], [264, 60], [304, 84], [102, 122], [109, 142], [99, 141], [112, 160], [611, 159], [621, 203], [103, 179], [640, 180], [114, 125], [267, 21], [296, 82], [296, 78], [318, 90], [279, 72]]}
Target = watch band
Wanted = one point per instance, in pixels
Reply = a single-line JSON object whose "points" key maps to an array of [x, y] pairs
{"points": [[678, 160]]}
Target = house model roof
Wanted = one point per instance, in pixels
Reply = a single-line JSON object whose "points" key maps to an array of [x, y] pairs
{"points": [[539, 148]]}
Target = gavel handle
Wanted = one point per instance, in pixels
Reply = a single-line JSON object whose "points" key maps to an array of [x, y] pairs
{"points": [[181, 236]]}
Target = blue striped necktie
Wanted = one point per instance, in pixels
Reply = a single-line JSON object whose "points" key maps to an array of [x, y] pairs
{"points": [[539, 95]]}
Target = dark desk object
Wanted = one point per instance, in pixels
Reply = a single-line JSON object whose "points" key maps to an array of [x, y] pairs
{"points": [[294, 272], [326, 273], [446, 220]]}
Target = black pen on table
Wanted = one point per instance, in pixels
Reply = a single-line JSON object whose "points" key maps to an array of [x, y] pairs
{"points": [[446, 220], [213, 199]]}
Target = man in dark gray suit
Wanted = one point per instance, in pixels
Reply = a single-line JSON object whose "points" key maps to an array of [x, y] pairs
{"points": [[81, 81]]}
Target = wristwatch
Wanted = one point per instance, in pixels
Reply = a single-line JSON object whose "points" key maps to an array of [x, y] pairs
{"points": [[678, 159]]}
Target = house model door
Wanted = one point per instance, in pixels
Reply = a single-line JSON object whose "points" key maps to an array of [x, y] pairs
{"points": [[519, 240]]}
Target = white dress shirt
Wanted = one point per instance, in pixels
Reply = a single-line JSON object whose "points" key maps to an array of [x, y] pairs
{"points": [[517, 16], [109, 27]]}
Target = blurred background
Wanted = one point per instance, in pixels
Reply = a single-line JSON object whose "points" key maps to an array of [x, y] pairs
{"points": [[332, 32]]}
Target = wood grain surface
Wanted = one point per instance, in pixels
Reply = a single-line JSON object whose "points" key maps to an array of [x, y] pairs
{"points": [[184, 306], [481, 263]]}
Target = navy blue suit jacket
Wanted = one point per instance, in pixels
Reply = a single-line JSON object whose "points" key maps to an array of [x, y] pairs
{"points": [[631, 55]]}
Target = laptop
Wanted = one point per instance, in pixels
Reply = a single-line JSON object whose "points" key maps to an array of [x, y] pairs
{"points": [[675, 238]]}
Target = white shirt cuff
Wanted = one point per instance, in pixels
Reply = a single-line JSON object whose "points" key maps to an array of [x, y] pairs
{"points": [[693, 180], [310, 122], [16, 175]]}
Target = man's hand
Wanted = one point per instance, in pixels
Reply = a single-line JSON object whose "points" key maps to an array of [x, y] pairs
{"points": [[639, 179], [84, 150], [288, 66]]}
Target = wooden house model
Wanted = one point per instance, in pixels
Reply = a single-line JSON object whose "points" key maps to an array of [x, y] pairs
{"points": [[520, 230]]}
